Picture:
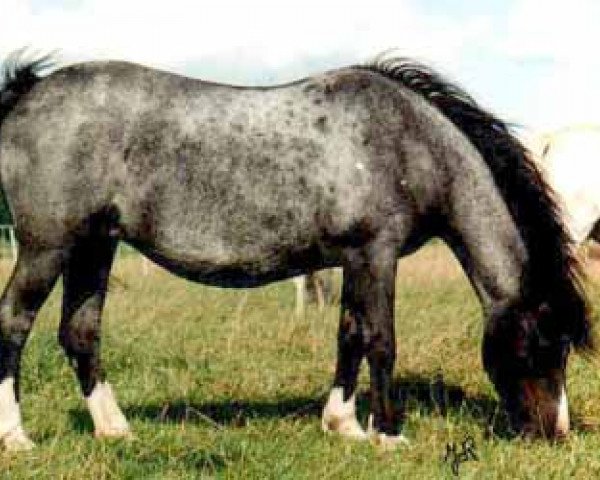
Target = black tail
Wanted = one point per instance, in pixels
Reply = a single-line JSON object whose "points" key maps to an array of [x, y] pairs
{"points": [[18, 76], [553, 267]]}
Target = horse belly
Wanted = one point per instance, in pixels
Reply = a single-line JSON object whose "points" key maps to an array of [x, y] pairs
{"points": [[217, 191], [225, 244], [223, 262]]}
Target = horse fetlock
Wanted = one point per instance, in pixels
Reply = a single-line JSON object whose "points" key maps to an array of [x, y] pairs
{"points": [[345, 426], [16, 440], [12, 434], [109, 421], [339, 416]]}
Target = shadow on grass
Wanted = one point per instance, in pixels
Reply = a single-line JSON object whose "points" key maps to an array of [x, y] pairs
{"points": [[221, 414], [146, 462], [140, 461], [434, 397], [226, 413], [429, 396]]}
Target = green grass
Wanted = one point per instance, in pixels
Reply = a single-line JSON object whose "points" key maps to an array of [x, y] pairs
{"points": [[228, 384]]}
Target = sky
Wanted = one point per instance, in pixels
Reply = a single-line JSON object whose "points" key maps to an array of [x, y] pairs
{"points": [[535, 63]]}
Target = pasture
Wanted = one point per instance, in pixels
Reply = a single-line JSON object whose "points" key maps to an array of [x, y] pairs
{"points": [[228, 384]]}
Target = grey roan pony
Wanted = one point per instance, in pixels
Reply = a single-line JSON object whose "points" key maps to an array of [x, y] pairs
{"points": [[240, 186]]}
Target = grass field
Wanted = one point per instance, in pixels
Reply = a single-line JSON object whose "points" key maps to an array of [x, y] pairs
{"points": [[228, 384]]}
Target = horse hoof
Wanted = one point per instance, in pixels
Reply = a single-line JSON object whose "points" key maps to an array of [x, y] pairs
{"points": [[384, 441], [114, 433], [17, 441], [388, 442], [346, 427]]}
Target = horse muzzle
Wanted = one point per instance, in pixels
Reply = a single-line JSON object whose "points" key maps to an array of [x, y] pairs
{"points": [[546, 410]]}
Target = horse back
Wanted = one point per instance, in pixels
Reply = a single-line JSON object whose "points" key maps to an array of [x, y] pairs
{"points": [[216, 174]]}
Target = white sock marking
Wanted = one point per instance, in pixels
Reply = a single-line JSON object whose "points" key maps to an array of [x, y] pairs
{"points": [[383, 440], [562, 420], [10, 416], [340, 416], [11, 430], [108, 419]]}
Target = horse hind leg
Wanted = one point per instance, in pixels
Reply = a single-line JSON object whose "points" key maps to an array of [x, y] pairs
{"points": [[85, 282], [31, 281], [366, 329]]}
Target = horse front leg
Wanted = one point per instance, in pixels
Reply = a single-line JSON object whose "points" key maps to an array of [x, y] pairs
{"points": [[366, 329], [339, 414]]}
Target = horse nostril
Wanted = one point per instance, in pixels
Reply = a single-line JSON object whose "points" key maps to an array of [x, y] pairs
{"points": [[561, 434], [561, 429]]}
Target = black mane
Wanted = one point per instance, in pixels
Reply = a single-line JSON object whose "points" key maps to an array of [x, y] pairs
{"points": [[553, 276]]}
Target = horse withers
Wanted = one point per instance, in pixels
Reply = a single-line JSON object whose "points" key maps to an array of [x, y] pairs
{"points": [[241, 186]]}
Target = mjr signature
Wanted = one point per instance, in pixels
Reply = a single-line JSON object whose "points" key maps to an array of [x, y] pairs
{"points": [[455, 457]]}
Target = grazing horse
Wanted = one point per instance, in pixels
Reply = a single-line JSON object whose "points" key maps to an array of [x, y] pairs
{"points": [[241, 186], [570, 160]]}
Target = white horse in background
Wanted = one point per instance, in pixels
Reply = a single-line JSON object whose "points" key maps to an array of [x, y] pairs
{"points": [[570, 160]]}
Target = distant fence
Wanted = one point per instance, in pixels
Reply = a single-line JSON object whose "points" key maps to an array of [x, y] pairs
{"points": [[8, 242]]}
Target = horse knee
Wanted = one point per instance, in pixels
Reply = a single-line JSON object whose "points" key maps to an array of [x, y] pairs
{"points": [[79, 339], [14, 329]]}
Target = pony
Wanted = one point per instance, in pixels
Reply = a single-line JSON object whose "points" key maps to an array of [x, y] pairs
{"points": [[241, 186], [566, 158]]}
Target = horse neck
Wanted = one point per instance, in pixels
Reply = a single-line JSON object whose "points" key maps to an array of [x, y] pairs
{"points": [[483, 235]]}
